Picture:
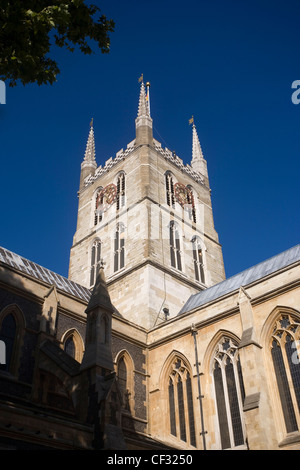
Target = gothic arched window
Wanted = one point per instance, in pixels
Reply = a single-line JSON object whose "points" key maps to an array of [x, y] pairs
{"points": [[98, 204], [170, 195], [229, 392], [95, 260], [72, 344], [120, 191], [181, 409], [69, 347], [8, 333], [198, 260], [191, 204], [285, 353], [175, 252], [124, 374], [119, 247]]}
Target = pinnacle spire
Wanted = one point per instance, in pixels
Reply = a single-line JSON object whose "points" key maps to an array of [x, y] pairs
{"points": [[143, 122], [198, 162], [90, 152], [88, 165], [144, 109], [197, 150]]}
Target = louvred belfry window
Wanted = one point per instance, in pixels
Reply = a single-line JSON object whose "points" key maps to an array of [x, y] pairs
{"points": [[229, 393], [175, 252], [285, 353], [198, 260], [95, 260], [170, 195], [120, 191], [98, 205], [119, 247]]}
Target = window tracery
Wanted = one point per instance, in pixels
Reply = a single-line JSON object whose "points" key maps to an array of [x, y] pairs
{"points": [[285, 352], [181, 410], [229, 393]]}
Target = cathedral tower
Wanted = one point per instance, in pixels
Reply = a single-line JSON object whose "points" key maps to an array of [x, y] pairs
{"points": [[149, 217]]}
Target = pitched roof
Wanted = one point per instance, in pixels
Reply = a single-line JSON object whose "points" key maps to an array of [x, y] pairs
{"points": [[42, 274], [244, 278]]}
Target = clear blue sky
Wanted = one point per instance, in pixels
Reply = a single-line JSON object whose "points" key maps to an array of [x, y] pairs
{"points": [[229, 63]]}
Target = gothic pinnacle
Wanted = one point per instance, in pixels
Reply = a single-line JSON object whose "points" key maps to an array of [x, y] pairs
{"points": [[90, 152], [198, 162], [143, 122], [88, 165], [143, 102]]}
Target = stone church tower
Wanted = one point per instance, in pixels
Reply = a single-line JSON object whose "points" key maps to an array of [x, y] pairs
{"points": [[149, 217]]}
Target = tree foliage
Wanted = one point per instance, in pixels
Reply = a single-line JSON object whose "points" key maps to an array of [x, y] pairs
{"points": [[28, 28]]}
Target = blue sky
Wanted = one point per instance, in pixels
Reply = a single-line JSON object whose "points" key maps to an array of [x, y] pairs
{"points": [[230, 64]]}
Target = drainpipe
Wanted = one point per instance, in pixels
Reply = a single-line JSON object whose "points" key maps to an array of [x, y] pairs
{"points": [[200, 396]]}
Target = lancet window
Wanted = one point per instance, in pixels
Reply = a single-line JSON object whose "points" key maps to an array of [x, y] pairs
{"points": [[124, 374], [69, 346], [73, 344], [229, 392], [175, 252], [198, 260], [120, 191], [95, 260], [98, 207], [119, 247], [170, 194], [285, 352], [181, 408]]}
